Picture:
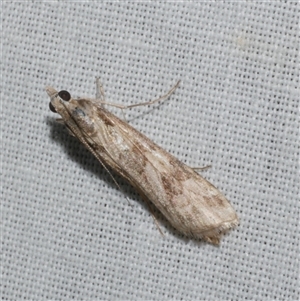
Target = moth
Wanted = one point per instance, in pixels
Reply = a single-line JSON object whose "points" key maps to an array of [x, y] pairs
{"points": [[190, 203]]}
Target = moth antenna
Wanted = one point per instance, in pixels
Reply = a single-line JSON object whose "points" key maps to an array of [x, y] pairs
{"points": [[124, 107]]}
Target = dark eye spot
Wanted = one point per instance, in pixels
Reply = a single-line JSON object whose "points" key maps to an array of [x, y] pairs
{"points": [[52, 107], [64, 95]]}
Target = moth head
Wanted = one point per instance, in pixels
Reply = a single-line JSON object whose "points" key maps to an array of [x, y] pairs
{"points": [[75, 113], [56, 98]]}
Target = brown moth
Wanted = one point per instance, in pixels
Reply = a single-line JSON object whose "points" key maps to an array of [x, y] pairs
{"points": [[190, 203]]}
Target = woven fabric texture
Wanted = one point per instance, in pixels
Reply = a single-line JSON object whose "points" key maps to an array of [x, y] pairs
{"points": [[67, 231]]}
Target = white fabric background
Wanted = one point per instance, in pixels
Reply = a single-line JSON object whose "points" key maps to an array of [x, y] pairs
{"points": [[67, 232]]}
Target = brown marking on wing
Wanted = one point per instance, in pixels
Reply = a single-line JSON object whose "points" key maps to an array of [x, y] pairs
{"points": [[170, 186], [216, 201], [138, 149], [219, 200], [180, 170], [105, 116]]}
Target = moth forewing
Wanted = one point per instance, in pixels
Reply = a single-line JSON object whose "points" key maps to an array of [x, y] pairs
{"points": [[189, 202]]}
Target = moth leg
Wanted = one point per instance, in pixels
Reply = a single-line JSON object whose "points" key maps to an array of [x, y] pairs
{"points": [[154, 217], [149, 207], [201, 168], [143, 196], [100, 94], [123, 107]]}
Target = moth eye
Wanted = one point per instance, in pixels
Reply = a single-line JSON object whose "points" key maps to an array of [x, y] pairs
{"points": [[64, 95], [52, 107]]}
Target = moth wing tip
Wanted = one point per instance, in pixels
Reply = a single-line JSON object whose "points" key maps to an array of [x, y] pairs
{"points": [[215, 237], [214, 240]]}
